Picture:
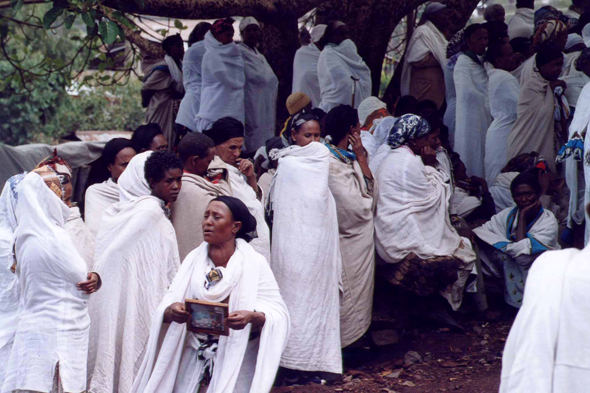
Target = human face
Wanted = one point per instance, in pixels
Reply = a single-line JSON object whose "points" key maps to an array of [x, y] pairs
{"points": [[168, 188], [121, 161], [251, 35], [226, 36], [176, 51], [230, 150], [201, 165], [478, 42], [218, 224], [552, 70], [68, 191], [431, 140], [308, 132], [524, 195], [159, 143], [506, 62]]}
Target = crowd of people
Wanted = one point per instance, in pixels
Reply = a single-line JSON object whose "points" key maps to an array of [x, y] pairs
{"points": [[471, 176]]}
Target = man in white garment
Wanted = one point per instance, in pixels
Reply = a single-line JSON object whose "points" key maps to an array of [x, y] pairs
{"points": [[115, 157], [422, 75], [522, 23], [305, 67], [260, 90]]}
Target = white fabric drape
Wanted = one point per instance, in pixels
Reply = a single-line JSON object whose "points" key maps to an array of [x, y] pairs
{"points": [[132, 182], [380, 132], [260, 99], [53, 317], [451, 98], [522, 23], [253, 287], [81, 236], [500, 190], [576, 80], [336, 66], [473, 116], [242, 190], [191, 75], [426, 39], [175, 72], [222, 88], [306, 257], [98, 198], [305, 73], [504, 90]]}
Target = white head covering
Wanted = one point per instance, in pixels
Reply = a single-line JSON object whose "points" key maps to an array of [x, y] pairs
{"points": [[573, 39], [132, 183], [433, 7], [247, 21], [317, 33], [586, 35], [368, 106]]}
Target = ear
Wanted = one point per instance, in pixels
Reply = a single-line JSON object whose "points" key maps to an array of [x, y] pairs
{"points": [[294, 135], [151, 183], [110, 167], [237, 227]]}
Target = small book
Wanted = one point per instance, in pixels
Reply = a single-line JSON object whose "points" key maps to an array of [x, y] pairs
{"points": [[207, 317]]}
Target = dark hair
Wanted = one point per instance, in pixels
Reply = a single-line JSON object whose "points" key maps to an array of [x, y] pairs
{"points": [[112, 148], [144, 135], [330, 29], [426, 105], [406, 105], [469, 31], [194, 144], [158, 163], [199, 31], [497, 31], [433, 120], [240, 213], [526, 178], [520, 44], [339, 120], [225, 129], [319, 113], [171, 41], [495, 52]]}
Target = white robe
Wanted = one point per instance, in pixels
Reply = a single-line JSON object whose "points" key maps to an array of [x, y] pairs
{"points": [[81, 236], [451, 97], [336, 66], [98, 198], [222, 88], [53, 317], [242, 190], [503, 90], [547, 348], [260, 99], [473, 114], [306, 257], [380, 132], [171, 362], [500, 190], [305, 73], [576, 80], [522, 23], [191, 71]]}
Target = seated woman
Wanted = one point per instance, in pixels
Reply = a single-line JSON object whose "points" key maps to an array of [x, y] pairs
{"points": [[413, 231], [512, 240], [247, 359], [149, 137]]}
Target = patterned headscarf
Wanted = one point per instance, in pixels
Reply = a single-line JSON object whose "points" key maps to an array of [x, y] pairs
{"points": [[524, 162], [455, 44], [55, 172], [300, 119], [547, 13], [407, 128], [221, 25], [549, 32]]}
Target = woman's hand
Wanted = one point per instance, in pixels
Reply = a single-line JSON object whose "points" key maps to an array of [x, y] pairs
{"points": [[357, 145], [176, 313], [91, 285], [239, 319], [428, 155]]}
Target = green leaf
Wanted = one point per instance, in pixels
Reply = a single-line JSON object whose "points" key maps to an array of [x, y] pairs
{"points": [[91, 31], [104, 78], [17, 4], [109, 31], [101, 67], [50, 16], [178, 24], [70, 21], [88, 19], [122, 34], [118, 15]]}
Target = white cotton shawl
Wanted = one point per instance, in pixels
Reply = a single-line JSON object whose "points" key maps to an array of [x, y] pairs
{"points": [[306, 257], [175, 72], [305, 73], [500, 190], [451, 97], [377, 136], [522, 23], [191, 76], [254, 288], [547, 348], [98, 198], [336, 65], [132, 182], [81, 236], [426, 39], [53, 317], [576, 80], [503, 90], [473, 116], [222, 89], [242, 190], [260, 99]]}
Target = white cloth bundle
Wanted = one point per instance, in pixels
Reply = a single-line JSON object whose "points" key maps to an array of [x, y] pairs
{"points": [[426, 39], [81, 236], [336, 65], [500, 190], [222, 88], [576, 80], [306, 257], [192, 79], [251, 286], [473, 116], [53, 322], [132, 182], [98, 198], [260, 99], [522, 23], [503, 90]]}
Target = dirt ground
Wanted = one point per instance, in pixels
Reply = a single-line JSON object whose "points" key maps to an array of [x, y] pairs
{"points": [[421, 357]]}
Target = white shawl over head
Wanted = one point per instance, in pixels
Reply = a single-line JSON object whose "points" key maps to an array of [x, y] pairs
{"points": [[98, 198], [306, 257], [222, 89], [191, 75], [81, 236], [132, 183], [305, 73], [522, 23], [336, 65], [426, 39], [252, 287]]}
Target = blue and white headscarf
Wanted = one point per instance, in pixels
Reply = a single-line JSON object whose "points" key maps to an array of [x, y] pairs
{"points": [[407, 128]]}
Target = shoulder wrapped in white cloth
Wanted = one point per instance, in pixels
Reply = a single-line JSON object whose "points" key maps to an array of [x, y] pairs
{"points": [[98, 198], [305, 73], [191, 75]]}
